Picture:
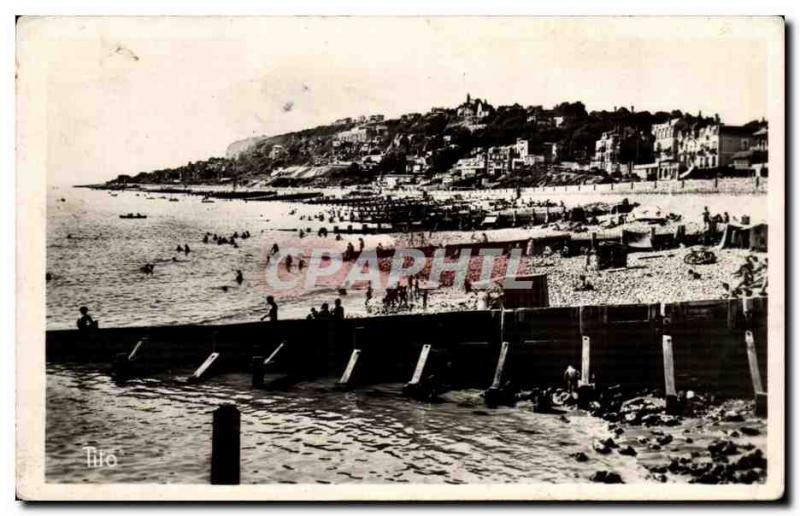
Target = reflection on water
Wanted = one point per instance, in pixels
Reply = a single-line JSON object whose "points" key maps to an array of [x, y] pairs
{"points": [[160, 431]]}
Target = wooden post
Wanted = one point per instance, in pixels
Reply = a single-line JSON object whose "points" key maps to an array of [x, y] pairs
{"points": [[225, 445], [669, 375], [414, 387], [586, 379], [136, 349], [680, 233], [121, 366], [501, 362], [755, 375], [351, 365], [421, 361], [204, 370], [271, 358], [257, 366], [502, 323]]}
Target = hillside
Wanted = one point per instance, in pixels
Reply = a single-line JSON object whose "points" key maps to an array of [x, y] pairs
{"points": [[359, 151]]}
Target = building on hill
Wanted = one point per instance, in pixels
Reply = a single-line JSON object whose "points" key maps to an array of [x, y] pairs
{"points": [[277, 152], [667, 137], [354, 135], [606, 151], [619, 149], [683, 144], [756, 158], [712, 145], [416, 164], [470, 166], [474, 110]]}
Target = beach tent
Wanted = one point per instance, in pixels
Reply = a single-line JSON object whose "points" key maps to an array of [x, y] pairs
{"points": [[490, 220], [637, 240], [753, 237]]}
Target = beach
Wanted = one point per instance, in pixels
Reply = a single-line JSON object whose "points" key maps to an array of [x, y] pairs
{"points": [[94, 257]]}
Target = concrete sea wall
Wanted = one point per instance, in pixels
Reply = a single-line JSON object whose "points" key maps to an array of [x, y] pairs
{"points": [[625, 343]]}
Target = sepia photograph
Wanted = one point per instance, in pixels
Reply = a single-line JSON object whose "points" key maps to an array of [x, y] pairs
{"points": [[400, 258]]}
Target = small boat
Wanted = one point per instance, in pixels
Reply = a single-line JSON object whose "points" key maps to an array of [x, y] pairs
{"points": [[133, 216], [173, 200]]}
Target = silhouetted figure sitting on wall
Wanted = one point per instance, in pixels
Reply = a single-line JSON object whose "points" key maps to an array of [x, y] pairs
{"points": [[324, 312], [338, 309], [86, 323], [273, 309], [313, 315]]}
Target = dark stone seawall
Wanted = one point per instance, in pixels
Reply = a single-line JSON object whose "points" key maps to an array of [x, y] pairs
{"points": [[626, 344]]}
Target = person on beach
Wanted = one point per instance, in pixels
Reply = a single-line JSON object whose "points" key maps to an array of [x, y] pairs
{"points": [[289, 263], [360, 244], [273, 309], [368, 297], [186, 249], [338, 309], [571, 376], [85, 322], [275, 249], [205, 238], [239, 277], [179, 249]]}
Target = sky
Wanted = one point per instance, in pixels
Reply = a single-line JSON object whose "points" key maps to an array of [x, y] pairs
{"points": [[125, 95]]}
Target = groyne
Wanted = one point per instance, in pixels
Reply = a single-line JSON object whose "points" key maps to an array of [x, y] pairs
{"points": [[709, 346]]}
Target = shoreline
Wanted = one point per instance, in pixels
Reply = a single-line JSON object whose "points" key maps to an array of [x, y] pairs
{"points": [[725, 185]]}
